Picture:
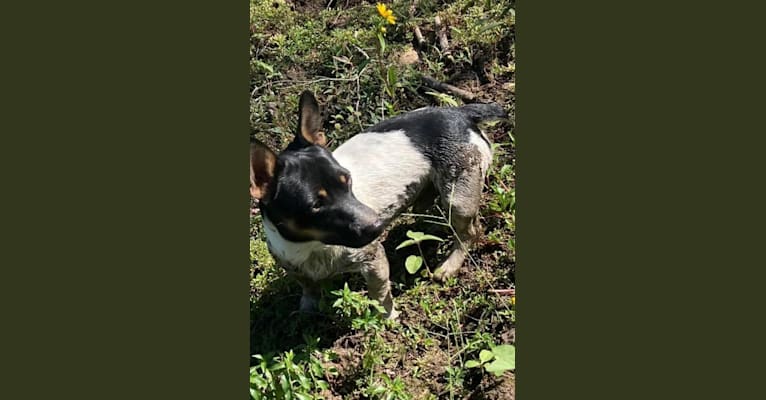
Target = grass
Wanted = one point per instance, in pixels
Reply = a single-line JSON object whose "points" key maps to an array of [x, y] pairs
{"points": [[451, 341]]}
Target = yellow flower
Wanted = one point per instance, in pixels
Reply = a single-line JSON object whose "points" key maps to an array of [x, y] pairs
{"points": [[386, 13], [513, 300], [383, 10]]}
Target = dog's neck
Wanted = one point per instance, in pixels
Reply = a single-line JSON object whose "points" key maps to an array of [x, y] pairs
{"points": [[294, 253]]}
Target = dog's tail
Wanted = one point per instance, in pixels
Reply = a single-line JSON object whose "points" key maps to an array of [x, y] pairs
{"points": [[480, 112]]}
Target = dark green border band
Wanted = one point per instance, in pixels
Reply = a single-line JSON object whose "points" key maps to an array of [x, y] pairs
{"points": [[127, 209], [639, 215]]}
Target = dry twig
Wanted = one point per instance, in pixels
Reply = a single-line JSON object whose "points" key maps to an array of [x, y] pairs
{"points": [[441, 33], [446, 87]]}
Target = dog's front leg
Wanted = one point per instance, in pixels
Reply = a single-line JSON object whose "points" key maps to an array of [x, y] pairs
{"points": [[376, 273], [311, 294]]}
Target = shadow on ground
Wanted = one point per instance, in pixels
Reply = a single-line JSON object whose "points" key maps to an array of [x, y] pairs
{"points": [[276, 325]]}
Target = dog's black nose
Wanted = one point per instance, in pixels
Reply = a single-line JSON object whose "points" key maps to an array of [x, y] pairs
{"points": [[366, 233], [377, 228], [373, 230]]}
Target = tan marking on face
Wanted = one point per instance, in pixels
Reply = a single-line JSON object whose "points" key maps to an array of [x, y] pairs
{"points": [[309, 233], [322, 193], [343, 179]]}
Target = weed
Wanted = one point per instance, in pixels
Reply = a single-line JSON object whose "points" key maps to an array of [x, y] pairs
{"points": [[358, 310], [388, 389], [413, 263], [299, 376], [503, 358]]}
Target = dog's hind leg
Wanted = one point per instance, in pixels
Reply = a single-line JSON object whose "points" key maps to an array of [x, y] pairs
{"points": [[467, 229], [376, 273], [460, 199]]}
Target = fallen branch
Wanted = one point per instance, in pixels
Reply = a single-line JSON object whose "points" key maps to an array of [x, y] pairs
{"points": [[419, 36], [446, 87], [510, 292], [441, 33]]}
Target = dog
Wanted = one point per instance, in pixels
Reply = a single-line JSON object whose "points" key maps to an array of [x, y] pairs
{"points": [[324, 212]]}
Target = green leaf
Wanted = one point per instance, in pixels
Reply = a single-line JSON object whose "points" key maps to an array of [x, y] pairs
{"points": [[505, 359], [265, 66], [431, 237], [413, 264], [405, 243], [382, 43], [421, 237], [378, 389], [485, 355], [286, 388], [505, 351], [472, 363], [444, 98], [493, 25], [391, 80], [496, 368], [414, 235]]}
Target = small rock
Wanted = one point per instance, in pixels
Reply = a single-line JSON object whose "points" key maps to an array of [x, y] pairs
{"points": [[409, 56]]}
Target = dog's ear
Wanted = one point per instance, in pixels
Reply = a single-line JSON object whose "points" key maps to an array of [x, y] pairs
{"points": [[262, 164], [309, 122]]}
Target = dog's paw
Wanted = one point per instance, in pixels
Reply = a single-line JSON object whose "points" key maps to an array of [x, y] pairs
{"points": [[444, 272], [449, 267], [438, 275], [309, 304], [393, 315]]}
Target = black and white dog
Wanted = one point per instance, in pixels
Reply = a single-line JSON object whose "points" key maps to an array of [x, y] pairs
{"points": [[323, 212]]}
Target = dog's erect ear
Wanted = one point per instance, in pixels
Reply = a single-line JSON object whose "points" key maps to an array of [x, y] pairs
{"points": [[262, 163], [310, 121]]}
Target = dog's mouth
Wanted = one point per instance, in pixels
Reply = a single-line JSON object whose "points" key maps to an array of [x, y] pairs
{"points": [[358, 243]]}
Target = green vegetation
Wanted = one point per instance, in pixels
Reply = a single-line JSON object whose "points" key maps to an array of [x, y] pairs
{"points": [[413, 263], [453, 340]]}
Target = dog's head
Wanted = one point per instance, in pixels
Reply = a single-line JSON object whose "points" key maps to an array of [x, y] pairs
{"points": [[305, 193]]}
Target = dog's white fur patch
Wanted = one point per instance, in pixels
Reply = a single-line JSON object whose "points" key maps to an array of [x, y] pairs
{"points": [[382, 165], [481, 141], [286, 251], [314, 260]]}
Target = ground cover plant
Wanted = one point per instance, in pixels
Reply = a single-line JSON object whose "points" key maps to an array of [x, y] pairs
{"points": [[367, 62]]}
